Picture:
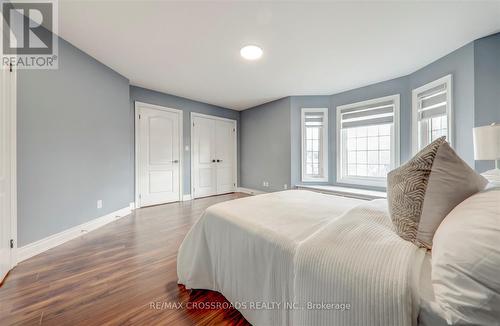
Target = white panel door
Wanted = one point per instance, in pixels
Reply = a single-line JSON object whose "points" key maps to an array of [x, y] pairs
{"points": [[225, 140], [7, 146], [204, 164], [159, 156]]}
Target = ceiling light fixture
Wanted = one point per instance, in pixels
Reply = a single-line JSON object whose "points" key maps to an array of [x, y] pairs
{"points": [[251, 52]]}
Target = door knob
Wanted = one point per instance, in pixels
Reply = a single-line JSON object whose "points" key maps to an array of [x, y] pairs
{"points": [[213, 161], [175, 161], [219, 160]]}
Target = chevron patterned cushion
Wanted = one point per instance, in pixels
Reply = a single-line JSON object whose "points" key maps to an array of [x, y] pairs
{"points": [[423, 191]]}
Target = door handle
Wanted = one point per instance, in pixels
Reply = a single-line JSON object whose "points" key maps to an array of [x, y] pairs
{"points": [[175, 161], [219, 161], [213, 161]]}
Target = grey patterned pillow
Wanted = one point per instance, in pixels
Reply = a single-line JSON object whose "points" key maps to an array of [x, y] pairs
{"points": [[423, 191]]}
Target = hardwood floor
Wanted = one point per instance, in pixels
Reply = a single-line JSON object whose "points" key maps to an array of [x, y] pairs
{"points": [[121, 274]]}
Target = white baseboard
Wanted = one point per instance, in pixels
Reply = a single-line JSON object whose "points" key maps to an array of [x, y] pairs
{"points": [[186, 197], [249, 191], [57, 239], [132, 206]]}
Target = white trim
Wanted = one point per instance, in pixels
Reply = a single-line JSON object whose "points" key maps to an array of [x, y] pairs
{"points": [[191, 168], [136, 157], [396, 143], [131, 206], [325, 148], [181, 146], [448, 80], [57, 239], [191, 121], [186, 197], [13, 169], [201, 115], [12, 114], [250, 191]]}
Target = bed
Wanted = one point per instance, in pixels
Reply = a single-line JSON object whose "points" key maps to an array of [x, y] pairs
{"points": [[300, 257], [430, 314]]}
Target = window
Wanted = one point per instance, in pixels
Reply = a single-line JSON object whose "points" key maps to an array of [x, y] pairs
{"points": [[368, 141], [314, 144], [432, 113]]}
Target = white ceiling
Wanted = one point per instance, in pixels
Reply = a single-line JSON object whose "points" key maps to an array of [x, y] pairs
{"points": [[191, 49]]}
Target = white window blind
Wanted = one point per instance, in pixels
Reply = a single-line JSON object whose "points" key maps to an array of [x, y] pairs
{"points": [[368, 115], [432, 112], [368, 139], [432, 102], [314, 144]]}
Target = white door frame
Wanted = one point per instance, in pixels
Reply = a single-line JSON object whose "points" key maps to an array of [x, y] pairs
{"points": [[13, 166], [201, 115], [13, 159], [13, 170], [138, 104]]}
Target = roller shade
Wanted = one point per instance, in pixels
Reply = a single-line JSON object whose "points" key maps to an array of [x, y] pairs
{"points": [[432, 102], [314, 119], [368, 115]]}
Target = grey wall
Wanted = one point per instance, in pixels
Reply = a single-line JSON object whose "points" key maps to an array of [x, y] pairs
{"points": [[265, 144], [76, 142], [460, 64], [476, 91], [76, 131], [73, 144], [187, 106], [487, 86]]}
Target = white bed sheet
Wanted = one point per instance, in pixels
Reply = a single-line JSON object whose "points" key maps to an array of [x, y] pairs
{"points": [[359, 260], [295, 247], [254, 239]]}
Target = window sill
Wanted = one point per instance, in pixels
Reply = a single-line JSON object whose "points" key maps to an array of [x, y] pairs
{"points": [[324, 179], [346, 192], [363, 182]]}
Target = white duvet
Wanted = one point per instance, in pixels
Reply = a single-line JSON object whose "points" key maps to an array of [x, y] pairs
{"points": [[304, 258]]}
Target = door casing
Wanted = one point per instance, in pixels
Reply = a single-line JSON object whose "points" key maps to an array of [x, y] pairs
{"points": [[11, 114]]}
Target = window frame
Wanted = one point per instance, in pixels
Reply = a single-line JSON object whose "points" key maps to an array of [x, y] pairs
{"points": [[448, 80], [380, 182], [324, 159]]}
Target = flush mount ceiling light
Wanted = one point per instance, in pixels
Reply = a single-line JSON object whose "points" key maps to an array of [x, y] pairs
{"points": [[251, 52]]}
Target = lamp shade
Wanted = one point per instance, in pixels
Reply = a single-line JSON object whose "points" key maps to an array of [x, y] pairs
{"points": [[487, 142]]}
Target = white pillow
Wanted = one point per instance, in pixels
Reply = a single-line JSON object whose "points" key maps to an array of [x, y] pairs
{"points": [[466, 261]]}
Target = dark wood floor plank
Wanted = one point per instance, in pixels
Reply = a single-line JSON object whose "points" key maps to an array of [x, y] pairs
{"points": [[111, 276]]}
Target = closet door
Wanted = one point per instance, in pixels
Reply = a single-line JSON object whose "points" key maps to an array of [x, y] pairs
{"points": [[225, 149], [204, 161]]}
